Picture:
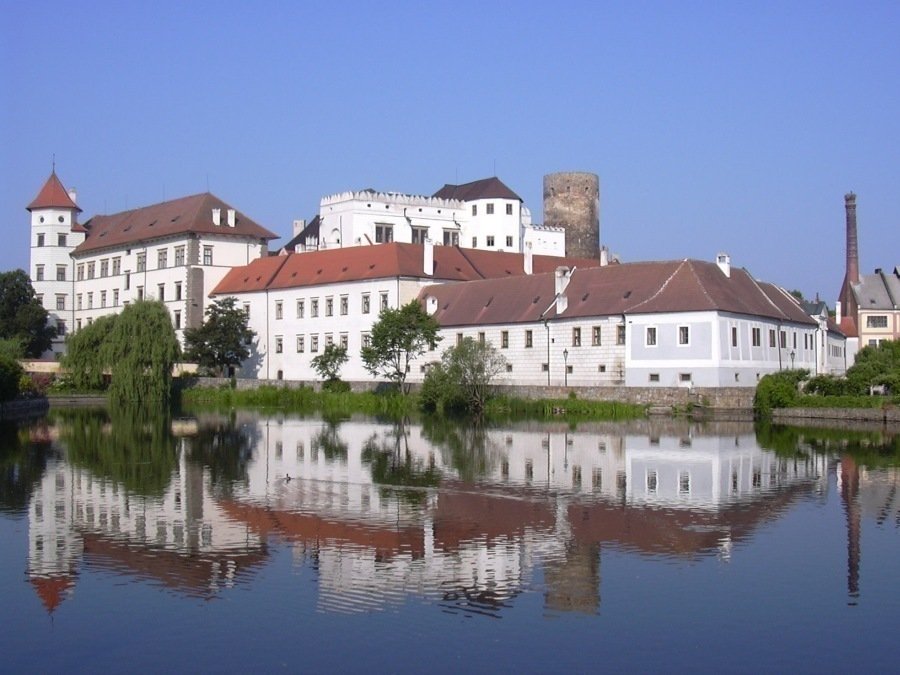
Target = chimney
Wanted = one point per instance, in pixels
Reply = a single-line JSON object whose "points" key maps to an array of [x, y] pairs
{"points": [[73, 195], [561, 282], [604, 256], [431, 304], [231, 218], [299, 226], [217, 217], [428, 255], [852, 246], [528, 259], [837, 312], [723, 260]]}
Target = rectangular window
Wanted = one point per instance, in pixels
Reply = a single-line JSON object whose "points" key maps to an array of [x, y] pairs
{"points": [[329, 306], [782, 339], [80, 273], [162, 292], [140, 292], [177, 316], [60, 272], [90, 300], [620, 335], [876, 321], [654, 377], [481, 337], [300, 309], [509, 209], [384, 234], [78, 301], [115, 297], [366, 303], [384, 301], [179, 256], [39, 273], [178, 290], [734, 336], [207, 255], [300, 344], [366, 340], [794, 338], [504, 339], [490, 242], [61, 240], [544, 367], [279, 344], [61, 328], [60, 302], [40, 240], [684, 483], [474, 213], [451, 238], [771, 337], [314, 307], [141, 264], [419, 235], [313, 343], [684, 377], [529, 338], [509, 242], [490, 209], [91, 270], [596, 335], [474, 242], [103, 298], [651, 336], [576, 337], [651, 482], [684, 335], [279, 309], [329, 339], [162, 258], [757, 337], [116, 266], [247, 309], [459, 338], [344, 340]]}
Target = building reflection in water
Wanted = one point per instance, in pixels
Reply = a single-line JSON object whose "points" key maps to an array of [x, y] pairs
{"points": [[461, 517]]}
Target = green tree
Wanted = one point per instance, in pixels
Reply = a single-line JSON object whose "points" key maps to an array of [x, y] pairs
{"points": [[472, 366], [21, 314], [13, 348], [141, 349], [222, 341], [398, 337], [874, 366], [85, 359], [10, 375], [778, 390], [328, 363]]}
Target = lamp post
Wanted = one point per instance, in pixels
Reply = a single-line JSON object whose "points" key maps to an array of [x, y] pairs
{"points": [[566, 367], [792, 359]]}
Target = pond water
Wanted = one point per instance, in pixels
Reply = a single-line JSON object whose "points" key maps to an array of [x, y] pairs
{"points": [[246, 541]]}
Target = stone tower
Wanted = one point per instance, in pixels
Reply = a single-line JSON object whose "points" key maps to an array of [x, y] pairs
{"points": [[572, 202]]}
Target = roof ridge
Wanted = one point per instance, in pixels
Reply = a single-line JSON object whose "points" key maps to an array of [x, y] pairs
{"points": [[661, 288], [765, 295]]}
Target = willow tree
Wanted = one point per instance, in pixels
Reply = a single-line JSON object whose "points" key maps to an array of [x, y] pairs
{"points": [[85, 358], [141, 349]]}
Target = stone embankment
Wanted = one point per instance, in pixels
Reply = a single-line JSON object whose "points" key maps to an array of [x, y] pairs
{"points": [[887, 416]]}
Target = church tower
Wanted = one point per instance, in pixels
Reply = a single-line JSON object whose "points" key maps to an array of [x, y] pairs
{"points": [[55, 232]]}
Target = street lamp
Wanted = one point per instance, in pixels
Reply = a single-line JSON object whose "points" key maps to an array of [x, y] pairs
{"points": [[566, 367], [792, 359]]}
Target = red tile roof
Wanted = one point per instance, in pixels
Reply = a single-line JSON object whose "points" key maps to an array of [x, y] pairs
{"points": [[486, 188], [176, 217], [52, 590], [358, 263], [53, 195], [632, 288]]}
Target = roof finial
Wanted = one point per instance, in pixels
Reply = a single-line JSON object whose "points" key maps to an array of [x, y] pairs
{"points": [[53, 163]]}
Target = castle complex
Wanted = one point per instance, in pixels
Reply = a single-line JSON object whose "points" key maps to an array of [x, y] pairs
{"points": [[545, 295]]}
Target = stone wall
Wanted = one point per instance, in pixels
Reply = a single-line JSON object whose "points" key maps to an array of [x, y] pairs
{"points": [[889, 415]]}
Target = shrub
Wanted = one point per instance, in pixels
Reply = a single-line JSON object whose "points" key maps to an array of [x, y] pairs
{"points": [[778, 390], [336, 386], [10, 376]]}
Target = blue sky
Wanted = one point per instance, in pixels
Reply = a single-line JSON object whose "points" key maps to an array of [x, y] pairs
{"points": [[714, 126]]}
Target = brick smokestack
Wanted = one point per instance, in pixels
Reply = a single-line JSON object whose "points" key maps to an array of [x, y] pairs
{"points": [[852, 246]]}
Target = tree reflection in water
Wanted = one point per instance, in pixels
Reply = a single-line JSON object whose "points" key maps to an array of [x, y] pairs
{"points": [[392, 464], [22, 462]]}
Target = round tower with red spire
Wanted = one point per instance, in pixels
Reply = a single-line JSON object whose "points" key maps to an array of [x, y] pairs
{"points": [[55, 233]]}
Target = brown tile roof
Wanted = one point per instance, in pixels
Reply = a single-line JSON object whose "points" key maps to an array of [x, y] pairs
{"points": [[53, 195], [632, 288], [358, 263], [486, 188], [175, 217]]}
